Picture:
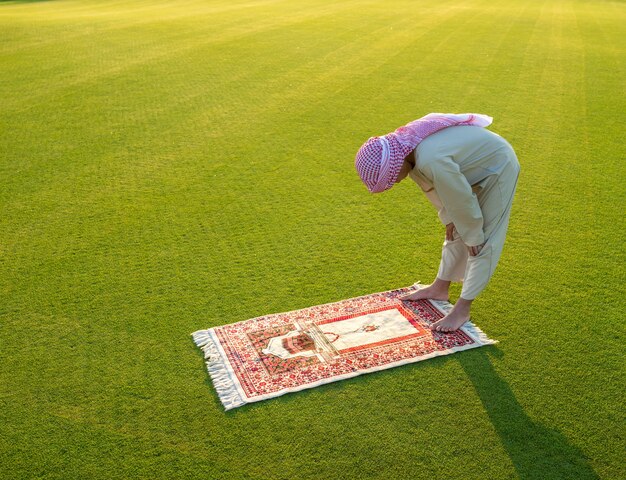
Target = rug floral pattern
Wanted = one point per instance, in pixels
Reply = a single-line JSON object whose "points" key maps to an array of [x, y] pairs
{"points": [[261, 372]]}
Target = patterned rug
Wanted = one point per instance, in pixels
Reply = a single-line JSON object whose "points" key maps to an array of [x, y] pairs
{"points": [[269, 356]]}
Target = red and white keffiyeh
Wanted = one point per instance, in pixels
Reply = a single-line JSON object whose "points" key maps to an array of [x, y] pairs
{"points": [[380, 159]]}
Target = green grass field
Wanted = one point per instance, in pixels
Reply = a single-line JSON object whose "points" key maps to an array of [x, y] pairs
{"points": [[172, 166]]}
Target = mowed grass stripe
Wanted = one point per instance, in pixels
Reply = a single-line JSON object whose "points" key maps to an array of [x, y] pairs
{"points": [[212, 82], [110, 63], [113, 19], [606, 68], [450, 73], [211, 116]]}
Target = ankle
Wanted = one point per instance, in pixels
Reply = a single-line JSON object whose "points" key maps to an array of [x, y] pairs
{"points": [[441, 285], [462, 305]]}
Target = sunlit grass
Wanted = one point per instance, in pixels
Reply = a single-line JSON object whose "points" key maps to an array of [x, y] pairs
{"points": [[172, 166]]}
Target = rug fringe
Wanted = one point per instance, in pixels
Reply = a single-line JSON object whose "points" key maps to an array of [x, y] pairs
{"points": [[222, 382], [476, 333]]}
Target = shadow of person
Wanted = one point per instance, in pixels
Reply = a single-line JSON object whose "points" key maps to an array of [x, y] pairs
{"points": [[537, 452]]}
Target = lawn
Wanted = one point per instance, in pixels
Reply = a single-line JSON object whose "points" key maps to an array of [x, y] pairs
{"points": [[172, 166]]}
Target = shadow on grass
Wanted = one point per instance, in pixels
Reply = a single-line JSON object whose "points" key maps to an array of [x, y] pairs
{"points": [[537, 452]]}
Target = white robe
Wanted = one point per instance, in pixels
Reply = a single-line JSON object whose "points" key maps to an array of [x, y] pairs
{"points": [[469, 174]]}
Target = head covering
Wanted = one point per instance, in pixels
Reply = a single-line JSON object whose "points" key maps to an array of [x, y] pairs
{"points": [[380, 159]]}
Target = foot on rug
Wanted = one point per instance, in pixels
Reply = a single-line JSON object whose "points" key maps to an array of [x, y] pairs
{"points": [[427, 293], [451, 322]]}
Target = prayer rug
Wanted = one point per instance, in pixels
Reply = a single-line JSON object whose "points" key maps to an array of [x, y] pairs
{"points": [[269, 356]]}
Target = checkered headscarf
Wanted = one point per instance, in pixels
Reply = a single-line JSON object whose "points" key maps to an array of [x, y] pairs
{"points": [[380, 159]]}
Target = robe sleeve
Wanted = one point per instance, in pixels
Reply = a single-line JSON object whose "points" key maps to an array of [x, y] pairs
{"points": [[429, 190], [460, 204], [436, 202]]}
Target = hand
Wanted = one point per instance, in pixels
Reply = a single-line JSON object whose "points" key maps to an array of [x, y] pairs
{"points": [[450, 231], [475, 250]]}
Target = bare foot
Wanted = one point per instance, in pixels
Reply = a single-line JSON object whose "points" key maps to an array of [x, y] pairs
{"points": [[452, 321], [431, 292]]}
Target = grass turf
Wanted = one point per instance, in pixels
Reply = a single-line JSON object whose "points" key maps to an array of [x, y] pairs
{"points": [[172, 166]]}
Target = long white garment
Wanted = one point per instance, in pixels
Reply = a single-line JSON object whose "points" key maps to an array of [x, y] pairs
{"points": [[469, 174]]}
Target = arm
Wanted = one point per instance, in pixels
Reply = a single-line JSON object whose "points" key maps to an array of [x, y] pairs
{"points": [[436, 202], [460, 203]]}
